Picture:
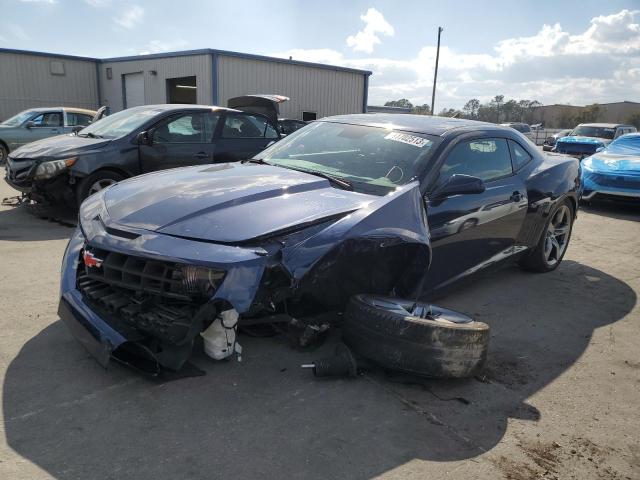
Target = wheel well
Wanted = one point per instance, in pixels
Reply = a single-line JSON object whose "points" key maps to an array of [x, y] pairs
{"points": [[3, 143], [574, 204], [117, 170]]}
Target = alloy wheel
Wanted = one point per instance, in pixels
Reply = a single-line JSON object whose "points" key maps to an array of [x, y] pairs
{"points": [[557, 235], [101, 185]]}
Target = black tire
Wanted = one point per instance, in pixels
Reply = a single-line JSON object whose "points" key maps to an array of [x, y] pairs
{"points": [[536, 260], [4, 153], [407, 343], [85, 186]]}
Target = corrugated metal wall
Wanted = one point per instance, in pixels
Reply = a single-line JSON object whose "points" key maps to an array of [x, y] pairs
{"points": [[26, 82], [324, 91], [155, 86]]}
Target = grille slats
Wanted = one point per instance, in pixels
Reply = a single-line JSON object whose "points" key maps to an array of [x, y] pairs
{"points": [[138, 274]]}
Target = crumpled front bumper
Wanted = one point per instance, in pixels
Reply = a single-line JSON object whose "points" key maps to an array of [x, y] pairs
{"points": [[609, 183], [98, 337], [103, 335]]}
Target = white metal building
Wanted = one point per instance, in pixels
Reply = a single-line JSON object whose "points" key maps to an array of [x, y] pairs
{"points": [[210, 77]]}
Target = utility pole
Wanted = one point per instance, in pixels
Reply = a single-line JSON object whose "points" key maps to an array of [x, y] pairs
{"points": [[435, 75]]}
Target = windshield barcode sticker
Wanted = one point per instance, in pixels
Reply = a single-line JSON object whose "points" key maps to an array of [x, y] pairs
{"points": [[409, 139]]}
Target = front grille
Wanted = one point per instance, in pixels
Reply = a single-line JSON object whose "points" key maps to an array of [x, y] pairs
{"points": [[616, 181], [576, 148], [164, 279], [169, 321], [18, 170]]}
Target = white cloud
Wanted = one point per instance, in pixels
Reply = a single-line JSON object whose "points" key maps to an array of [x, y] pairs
{"points": [[17, 32], [50, 2], [98, 3], [131, 17], [601, 64], [367, 38], [158, 46]]}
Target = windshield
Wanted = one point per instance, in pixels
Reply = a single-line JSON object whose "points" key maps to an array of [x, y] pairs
{"points": [[598, 132], [372, 159], [19, 119], [625, 145], [120, 124]]}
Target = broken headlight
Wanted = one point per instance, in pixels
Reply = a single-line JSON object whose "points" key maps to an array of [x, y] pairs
{"points": [[52, 168], [201, 281]]}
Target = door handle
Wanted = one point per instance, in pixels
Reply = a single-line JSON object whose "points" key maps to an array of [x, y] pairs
{"points": [[516, 196], [201, 155]]}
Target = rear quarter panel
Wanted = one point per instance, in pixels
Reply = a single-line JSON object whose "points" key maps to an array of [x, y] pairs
{"points": [[550, 179]]}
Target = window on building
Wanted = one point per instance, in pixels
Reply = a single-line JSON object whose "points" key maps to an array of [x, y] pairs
{"points": [[182, 90], [309, 116]]}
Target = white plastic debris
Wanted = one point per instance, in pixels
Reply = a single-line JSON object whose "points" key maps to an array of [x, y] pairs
{"points": [[220, 337]]}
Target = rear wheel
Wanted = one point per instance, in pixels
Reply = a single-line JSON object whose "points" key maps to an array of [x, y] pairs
{"points": [[95, 182], [554, 241]]}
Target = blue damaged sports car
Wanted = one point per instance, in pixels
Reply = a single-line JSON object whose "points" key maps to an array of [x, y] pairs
{"points": [[613, 172], [587, 138], [397, 205]]}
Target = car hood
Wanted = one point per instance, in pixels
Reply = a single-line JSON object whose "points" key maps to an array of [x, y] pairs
{"points": [[58, 146], [605, 162], [227, 203], [584, 140]]}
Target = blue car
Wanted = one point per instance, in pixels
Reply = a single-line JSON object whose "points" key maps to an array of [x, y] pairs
{"points": [[587, 138], [613, 171], [376, 204]]}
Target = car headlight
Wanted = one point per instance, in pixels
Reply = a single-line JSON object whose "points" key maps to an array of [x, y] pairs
{"points": [[52, 168], [201, 281]]}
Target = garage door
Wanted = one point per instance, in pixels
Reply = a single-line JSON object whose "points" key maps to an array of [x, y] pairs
{"points": [[133, 89]]}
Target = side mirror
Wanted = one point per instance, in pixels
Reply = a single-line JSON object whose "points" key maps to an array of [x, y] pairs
{"points": [[76, 129], [30, 124], [144, 138], [459, 184]]}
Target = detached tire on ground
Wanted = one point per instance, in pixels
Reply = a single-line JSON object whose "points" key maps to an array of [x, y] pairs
{"points": [[395, 334]]}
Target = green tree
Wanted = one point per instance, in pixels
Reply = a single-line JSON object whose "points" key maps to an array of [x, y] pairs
{"points": [[471, 108], [423, 109], [634, 119], [403, 102]]}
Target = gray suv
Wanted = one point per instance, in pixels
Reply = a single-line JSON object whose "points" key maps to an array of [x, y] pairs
{"points": [[38, 123]]}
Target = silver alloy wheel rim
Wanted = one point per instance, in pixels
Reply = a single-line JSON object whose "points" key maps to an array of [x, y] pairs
{"points": [[100, 185], [557, 236]]}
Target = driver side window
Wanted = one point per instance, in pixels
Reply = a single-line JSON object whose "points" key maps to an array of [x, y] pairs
{"points": [[487, 159], [188, 128], [49, 119]]}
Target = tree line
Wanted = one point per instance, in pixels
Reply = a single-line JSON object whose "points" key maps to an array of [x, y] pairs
{"points": [[497, 110]]}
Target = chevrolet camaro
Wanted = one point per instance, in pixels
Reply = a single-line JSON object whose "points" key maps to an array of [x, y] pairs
{"points": [[395, 205]]}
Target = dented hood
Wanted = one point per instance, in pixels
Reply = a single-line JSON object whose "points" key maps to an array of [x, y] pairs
{"points": [[227, 203]]}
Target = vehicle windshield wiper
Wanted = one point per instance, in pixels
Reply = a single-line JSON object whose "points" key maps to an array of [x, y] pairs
{"points": [[340, 182], [90, 135], [255, 160]]}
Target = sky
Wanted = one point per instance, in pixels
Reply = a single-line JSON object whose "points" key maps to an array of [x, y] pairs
{"points": [[571, 52]]}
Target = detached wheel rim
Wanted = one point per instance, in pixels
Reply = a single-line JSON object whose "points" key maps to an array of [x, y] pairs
{"points": [[557, 235], [100, 185]]}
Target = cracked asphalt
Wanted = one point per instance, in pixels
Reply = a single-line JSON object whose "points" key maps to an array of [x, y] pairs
{"points": [[559, 398]]}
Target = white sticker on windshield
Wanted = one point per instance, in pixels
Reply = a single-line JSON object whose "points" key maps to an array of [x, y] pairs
{"points": [[409, 139]]}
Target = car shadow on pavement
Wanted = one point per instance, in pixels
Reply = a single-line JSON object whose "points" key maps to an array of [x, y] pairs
{"points": [[614, 209], [265, 417], [20, 224]]}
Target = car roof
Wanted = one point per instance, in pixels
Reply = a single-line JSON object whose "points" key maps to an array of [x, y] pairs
{"points": [[427, 124], [180, 106], [605, 125], [68, 109]]}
